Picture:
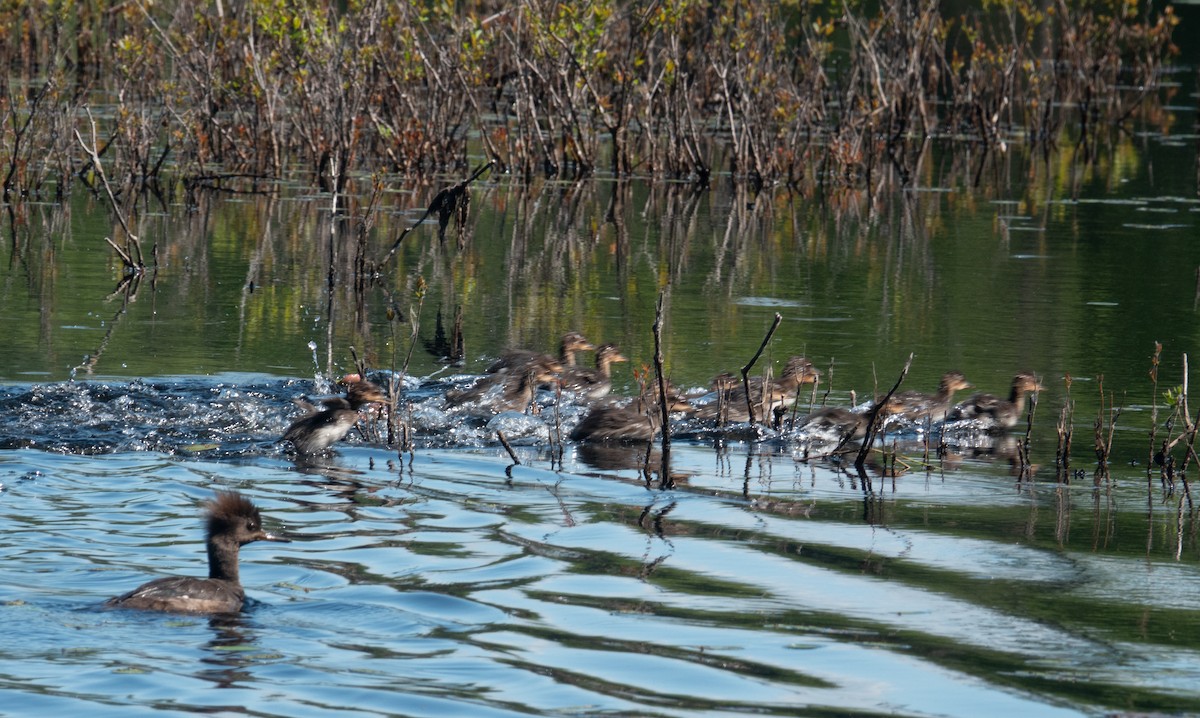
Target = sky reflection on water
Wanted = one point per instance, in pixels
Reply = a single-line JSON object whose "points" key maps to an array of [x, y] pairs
{"points": [[448, 587]]}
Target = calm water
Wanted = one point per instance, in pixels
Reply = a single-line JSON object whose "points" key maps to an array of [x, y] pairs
{"points": [[450, 582]]}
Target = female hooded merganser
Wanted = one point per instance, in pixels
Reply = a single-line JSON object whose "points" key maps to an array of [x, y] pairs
{"points": [[321, 429], [233, 522], [571, 344], [511, 390], [780, 393], [917, 406], [994, 412], [593, 383]]}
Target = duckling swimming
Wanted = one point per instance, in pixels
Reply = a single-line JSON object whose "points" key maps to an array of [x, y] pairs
{"points": [[322, 428], [994, 413]]}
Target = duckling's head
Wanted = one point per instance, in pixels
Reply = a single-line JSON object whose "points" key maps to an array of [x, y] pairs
{"points": [[360, 392], [1026, 382], [955, 381], [608, 354], [801, 371], [575, 342]]}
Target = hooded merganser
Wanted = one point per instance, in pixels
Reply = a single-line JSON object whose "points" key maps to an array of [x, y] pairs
{"points": [[233, 522], [322, 428], [780, 393], [511, 390], [593, 383], [916, 406], [571, 344], [997, 413]]}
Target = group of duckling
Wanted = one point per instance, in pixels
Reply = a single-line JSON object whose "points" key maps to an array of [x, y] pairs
{"points": [[512, 384]]}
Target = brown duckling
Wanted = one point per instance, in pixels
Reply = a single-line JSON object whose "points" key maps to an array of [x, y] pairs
{"points": [[618, 423], [322, 428], [916, 406], [731, 404], [233, 522], [993, 411], [593, 383], [512, 390], [572, 343], [833, 423]]}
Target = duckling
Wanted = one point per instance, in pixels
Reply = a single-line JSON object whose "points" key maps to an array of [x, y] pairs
{"points": [[992, 411], [731, 404], [617, 423], [507, 391], [322, 428], [233, 522], [597, 383], [572, 343], [835, 424], [916, 406]]}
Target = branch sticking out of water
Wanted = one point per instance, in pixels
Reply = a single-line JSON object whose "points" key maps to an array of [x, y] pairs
{"points": [[753, 360], [508, 447], [1103, 442], [136, 266], [665, 479], [1065, 431], [873, 421], [444, 203]]}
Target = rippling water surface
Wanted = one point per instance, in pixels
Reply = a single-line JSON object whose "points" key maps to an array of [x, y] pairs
{"points": [[450, 581]]}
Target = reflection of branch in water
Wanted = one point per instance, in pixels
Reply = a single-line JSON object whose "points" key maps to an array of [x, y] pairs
{"points": [[1062, 522], [127, 288]]}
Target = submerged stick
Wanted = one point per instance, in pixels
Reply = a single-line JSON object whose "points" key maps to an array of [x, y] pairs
{"points": [[746, 369], [873, 419]]}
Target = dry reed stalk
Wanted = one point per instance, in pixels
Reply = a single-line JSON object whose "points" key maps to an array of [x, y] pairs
{"points": [[1026, 466], [445, 203], [1154, 364], [1065, 430], [1104, 431]]}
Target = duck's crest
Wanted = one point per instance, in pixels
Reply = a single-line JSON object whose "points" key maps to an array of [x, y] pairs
{"points": [[227, 507]]}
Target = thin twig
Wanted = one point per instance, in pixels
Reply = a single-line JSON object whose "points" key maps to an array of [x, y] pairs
{"points": [[94, 156]]}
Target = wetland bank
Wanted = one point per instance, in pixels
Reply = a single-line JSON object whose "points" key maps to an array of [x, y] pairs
{"points": [[977, 190]]}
